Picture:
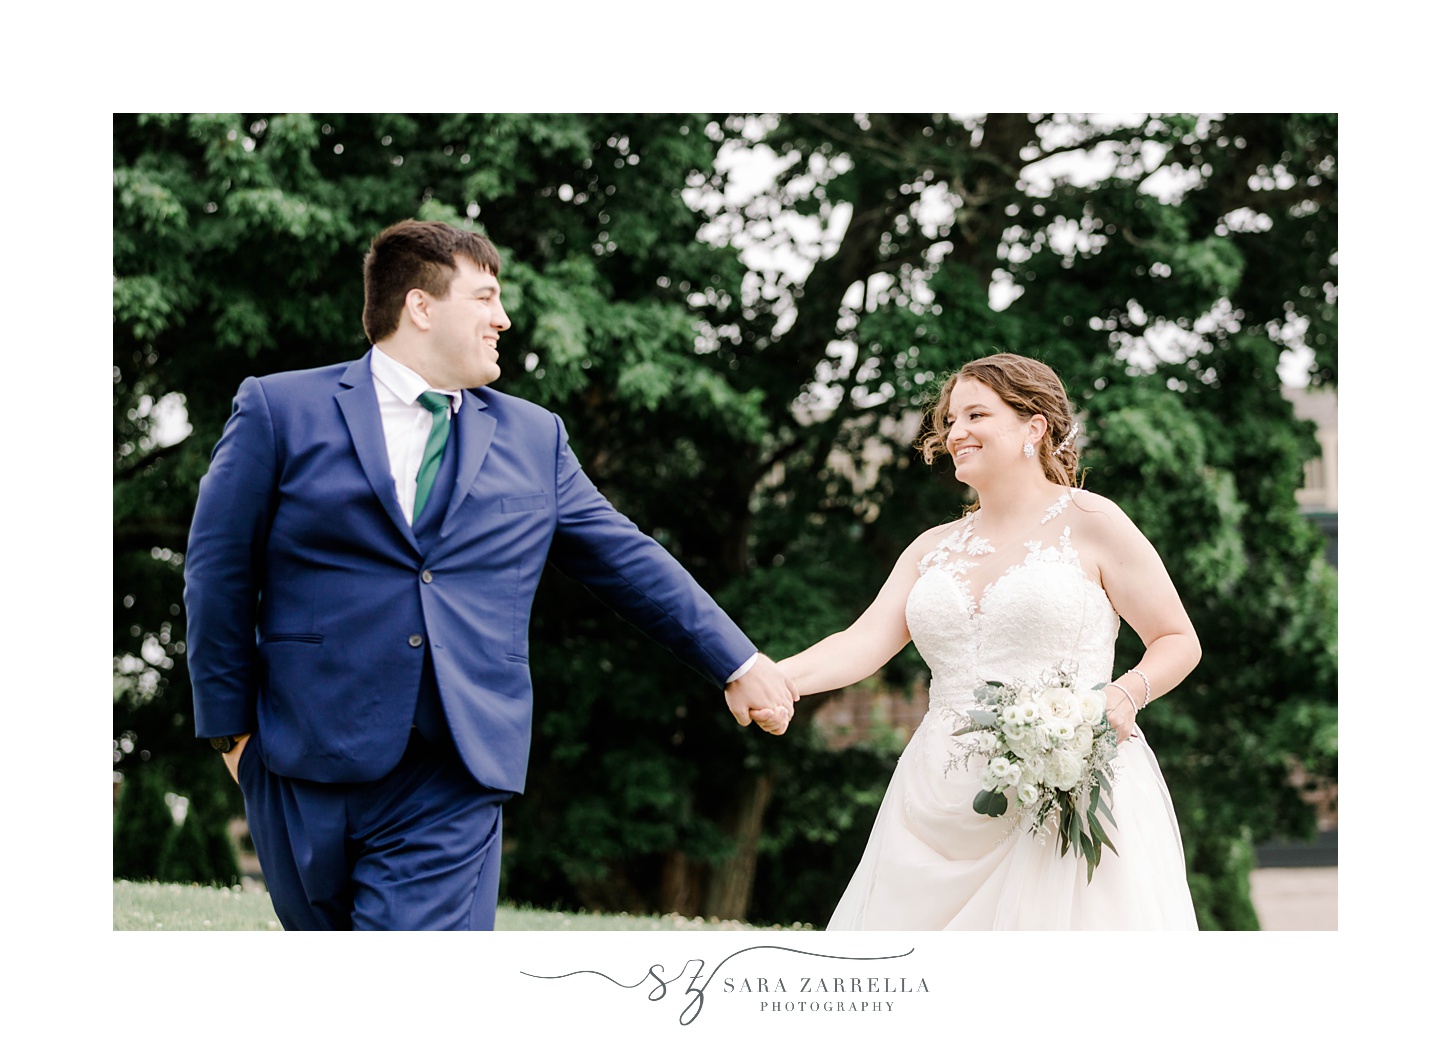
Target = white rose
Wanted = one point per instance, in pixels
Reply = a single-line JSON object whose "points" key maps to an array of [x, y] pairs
{"points": [[1027, 792], [1063, 770], [1020, 740], [1032, 767], [1082, 740], [1061, 705], [1091, 703]]}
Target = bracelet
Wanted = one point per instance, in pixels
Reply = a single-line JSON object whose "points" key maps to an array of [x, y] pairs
{"points": [[1126, 693], [1145, 679]]}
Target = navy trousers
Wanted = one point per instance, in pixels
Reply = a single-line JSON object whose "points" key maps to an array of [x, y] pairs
{"points": [[418, 849]]}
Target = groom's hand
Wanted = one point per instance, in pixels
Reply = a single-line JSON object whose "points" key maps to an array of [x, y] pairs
{"points": [[765, 694], [233, 757]]}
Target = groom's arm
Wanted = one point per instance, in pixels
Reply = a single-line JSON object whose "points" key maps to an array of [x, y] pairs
{"points": [[223, 567], [640, 580]]}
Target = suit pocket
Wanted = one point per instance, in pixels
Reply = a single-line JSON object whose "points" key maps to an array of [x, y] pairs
{"points": [[310, 639], [532, 502], [249, 753]]}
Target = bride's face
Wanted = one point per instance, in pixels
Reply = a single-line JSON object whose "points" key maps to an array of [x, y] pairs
{"points": [[984, 434]]}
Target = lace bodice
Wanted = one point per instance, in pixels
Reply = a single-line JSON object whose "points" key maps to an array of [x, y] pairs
{"points": [[978, 612]]}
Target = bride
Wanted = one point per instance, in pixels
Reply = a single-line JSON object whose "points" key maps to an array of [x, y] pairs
{"points": [[1035, 579]]}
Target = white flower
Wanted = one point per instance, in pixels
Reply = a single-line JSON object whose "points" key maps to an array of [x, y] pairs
{"points": [[1012, 714], [1082, 740], [1033, 766], [1060, 733], [1061, 705], [1091, 703], [1027, 792], [1063, 770], [1020, 740], [1000, 773]]}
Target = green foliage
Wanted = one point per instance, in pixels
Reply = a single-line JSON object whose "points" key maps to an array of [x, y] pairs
{"points": [[198, 851], [141, 825], [816, 829], [148, 844], [1219, 869], [719, 405]]}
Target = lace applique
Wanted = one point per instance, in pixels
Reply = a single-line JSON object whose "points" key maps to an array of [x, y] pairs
{"points": [[1056, 508], [956, 543], [1065, 552]]}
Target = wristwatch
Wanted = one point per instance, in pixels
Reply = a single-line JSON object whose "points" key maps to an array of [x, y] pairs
{"points": [[223, 743]]}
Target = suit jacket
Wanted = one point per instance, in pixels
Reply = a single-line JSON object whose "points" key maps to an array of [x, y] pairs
{"points": [[309, 601]]}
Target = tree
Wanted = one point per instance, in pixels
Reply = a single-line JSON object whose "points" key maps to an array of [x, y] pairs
{"points": [[140, 826], [198, 851], [1164, 288], [754, 419], [238, 240]]}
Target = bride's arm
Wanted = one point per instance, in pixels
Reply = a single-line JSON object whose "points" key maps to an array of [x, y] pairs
{"points": [[1139, 587], [879, 633]]}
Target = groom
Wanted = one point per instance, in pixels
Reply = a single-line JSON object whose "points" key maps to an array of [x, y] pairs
{"points": [[364, 554]]}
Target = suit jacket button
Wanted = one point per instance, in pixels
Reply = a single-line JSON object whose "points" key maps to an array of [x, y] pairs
{"points": [[415, 640], [427, 577]]}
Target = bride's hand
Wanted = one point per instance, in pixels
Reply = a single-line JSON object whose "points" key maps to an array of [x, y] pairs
{"points": [[1121, 716]]}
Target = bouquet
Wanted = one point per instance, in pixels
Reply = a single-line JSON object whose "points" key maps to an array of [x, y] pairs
{"points": [[1053, 743]]}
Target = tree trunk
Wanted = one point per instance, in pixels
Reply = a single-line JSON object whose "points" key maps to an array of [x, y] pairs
{"points": [[728, 888], [679, 885]]}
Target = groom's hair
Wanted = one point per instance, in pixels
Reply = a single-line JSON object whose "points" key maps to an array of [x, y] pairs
{"points": [[415, 254]]}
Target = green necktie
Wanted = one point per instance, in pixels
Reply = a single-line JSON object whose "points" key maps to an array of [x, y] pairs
{"points": [[440, 405]]}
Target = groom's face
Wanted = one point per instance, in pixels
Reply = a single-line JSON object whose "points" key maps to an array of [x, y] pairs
{"points": [[464, 329]]}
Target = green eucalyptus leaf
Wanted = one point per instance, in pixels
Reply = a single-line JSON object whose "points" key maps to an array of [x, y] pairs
{"points": [[990, 803]]}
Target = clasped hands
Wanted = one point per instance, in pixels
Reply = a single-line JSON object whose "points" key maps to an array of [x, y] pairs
{"points": [[765, 694]]}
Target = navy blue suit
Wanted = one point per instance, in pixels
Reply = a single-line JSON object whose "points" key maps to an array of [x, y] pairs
{"points": [[317, 614]]}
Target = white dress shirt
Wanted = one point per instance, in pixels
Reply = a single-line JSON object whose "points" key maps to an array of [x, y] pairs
{"points": [[406, 424], [406, 421]]}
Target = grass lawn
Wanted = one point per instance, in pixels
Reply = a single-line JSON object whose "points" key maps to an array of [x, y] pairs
{"points": [[149, 907]]}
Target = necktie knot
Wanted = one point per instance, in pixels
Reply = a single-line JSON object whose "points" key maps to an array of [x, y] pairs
{"points": [[435, 402]]}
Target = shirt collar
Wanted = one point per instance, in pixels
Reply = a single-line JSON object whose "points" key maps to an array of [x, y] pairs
{"points": [[405, 384]]}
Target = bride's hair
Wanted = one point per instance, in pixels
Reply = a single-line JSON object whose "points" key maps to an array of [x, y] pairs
{"points": [[1029, 387]]}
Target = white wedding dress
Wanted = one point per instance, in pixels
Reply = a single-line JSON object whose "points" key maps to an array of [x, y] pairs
{"points": [[977, 614]]}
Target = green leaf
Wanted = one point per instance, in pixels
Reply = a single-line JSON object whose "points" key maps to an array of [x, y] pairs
{"points": [[990, 803], [1107, 812]]}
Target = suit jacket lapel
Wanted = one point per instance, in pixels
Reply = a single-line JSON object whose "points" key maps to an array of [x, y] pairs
{"points": [[359, 403], [475, 434]]}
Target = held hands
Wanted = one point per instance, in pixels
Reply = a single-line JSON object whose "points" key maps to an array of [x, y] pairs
{"points": [[765, 695]]}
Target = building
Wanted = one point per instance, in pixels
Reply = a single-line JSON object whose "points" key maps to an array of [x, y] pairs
{"points": [[1319, 496]]}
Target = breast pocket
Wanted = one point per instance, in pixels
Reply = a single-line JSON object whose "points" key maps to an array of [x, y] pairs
{"points": [[531, 502]]}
